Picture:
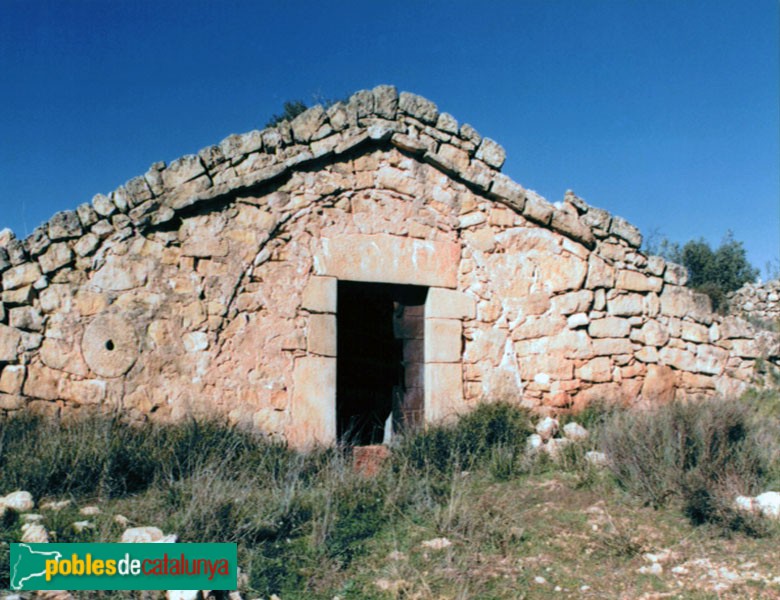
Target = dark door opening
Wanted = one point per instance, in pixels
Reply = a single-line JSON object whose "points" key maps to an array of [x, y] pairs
{"points": [[379, 369]]}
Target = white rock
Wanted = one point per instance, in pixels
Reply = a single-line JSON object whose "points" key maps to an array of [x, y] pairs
{"points": [[542, 379], [661, 556], [32, 518], [575, 432], [34, 533], [547, 428], [142, 535], [769, 504], [597, 459], [540, 580], [121, 520], [80, 526], [553, 447], [577, 320], [534, 442], [89, 511], [195, 341], [437, 543], [745, 503], [654, 569], [679, 570], [182, 595], [55, 505], [19, 501]]}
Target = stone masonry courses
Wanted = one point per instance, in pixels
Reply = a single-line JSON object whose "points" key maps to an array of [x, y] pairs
{"points": [[224, 285]]}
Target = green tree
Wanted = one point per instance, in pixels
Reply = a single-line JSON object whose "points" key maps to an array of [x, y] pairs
{"points": [[290, 110], [713, 272]]}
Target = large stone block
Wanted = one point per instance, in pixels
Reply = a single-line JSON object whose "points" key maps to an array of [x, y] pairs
{"points": [[389, 259], [711, 359], [204, 247], [573, 302], [449, 304], [608, 346], [86, 391], [553, 365], [538, 327], [322, 334], [597, 370], [492, 153], [42, 382], [58, 255], [653, 333], [313, 408], [320, 295], [65, 224], [678, 358], [26, 318], [659, 384], [443, 340], [634, 281], [418, 107], [682, 302], [485, 344], [694, 332], [600, 274], [12, 379], [10, 339], [622, 228], [21, 275], [443, 391], [626, 305], [179, 171], [119, 274], [609, 327], [561, 273]]}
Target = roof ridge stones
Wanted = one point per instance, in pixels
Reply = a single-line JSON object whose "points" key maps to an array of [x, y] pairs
{"points": [[409, 122]]}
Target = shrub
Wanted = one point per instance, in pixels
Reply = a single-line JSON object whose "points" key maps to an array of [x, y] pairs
{"points": [[712, 272], [700, 453], [491, 427], [290, 110]]}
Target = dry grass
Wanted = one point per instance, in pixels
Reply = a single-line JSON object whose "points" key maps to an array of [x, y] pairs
{"points": [[518, 526]]}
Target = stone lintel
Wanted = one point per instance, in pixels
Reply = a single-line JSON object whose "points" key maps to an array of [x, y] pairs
{"points": [[386, 258]]}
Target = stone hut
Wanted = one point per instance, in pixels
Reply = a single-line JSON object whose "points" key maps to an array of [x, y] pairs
{"points": [[357, 269]]}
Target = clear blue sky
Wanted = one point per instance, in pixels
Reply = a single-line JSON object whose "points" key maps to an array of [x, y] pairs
{"points": [[662, 111]]}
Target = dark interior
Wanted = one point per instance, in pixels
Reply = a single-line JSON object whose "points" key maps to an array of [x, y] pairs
{"points": [[370, 367]]}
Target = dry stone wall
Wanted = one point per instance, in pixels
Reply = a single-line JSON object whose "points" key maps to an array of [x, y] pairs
{"points": [[208, 286], [757, 301]]}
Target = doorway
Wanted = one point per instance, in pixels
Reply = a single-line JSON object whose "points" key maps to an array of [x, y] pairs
{"points": [[380, 363]]}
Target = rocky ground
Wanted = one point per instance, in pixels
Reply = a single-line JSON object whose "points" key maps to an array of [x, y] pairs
{"points": [[554, 533]]}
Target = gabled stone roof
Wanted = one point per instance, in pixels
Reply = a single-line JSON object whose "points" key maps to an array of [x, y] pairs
{"points": [[375, 117]]}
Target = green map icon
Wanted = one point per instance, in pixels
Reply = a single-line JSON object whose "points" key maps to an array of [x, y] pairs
{"points": [[29, 564]]}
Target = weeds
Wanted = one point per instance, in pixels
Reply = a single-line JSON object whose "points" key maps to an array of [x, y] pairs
{"points": [[700, 454], [303, 521]]}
